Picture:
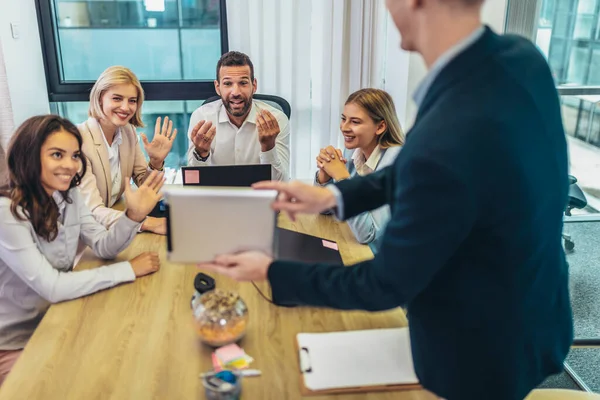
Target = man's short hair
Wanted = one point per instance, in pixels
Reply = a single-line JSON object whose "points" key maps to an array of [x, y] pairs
{"points": [[235, 59]]}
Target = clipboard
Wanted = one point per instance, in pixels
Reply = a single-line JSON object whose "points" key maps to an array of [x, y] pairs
{"points": [[388, 367]]}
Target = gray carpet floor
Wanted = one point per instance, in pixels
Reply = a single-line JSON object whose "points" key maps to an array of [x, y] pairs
{"points": [[560, 381], [584, 268]]}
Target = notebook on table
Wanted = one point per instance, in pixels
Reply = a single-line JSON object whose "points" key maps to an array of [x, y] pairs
{"points": [[296, 246], [226, 175], [356, 361]]}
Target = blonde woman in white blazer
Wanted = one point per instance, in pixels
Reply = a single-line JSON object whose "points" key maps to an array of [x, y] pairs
{"points": [[112, 148]]}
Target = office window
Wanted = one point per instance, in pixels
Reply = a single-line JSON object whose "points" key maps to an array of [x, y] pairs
{"points": [[568, 35], [567, 32], [171, 45]]}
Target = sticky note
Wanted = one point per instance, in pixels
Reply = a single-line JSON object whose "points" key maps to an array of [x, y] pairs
{"points": [[217, 366], [242, 363], [191, 176], [330, 245], [229, 353]]}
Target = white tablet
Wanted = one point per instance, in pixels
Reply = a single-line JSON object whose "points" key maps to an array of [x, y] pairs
{"points": [[203, 222]]}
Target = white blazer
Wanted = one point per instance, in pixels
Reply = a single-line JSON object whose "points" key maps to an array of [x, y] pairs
{"points": [[96, 184]]}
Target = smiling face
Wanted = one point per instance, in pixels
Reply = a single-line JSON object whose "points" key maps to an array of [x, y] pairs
{"points": [[119, 104], [236, 88], [359, 129], [60, 161]]}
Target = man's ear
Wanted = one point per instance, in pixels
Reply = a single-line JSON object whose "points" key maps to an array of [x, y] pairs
{"points": [[254, 86], [217, 88]]}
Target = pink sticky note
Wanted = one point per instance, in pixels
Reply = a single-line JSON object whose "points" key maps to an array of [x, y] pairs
{"points": [[191, 176], [330, 245], [216, 364], [229, 353]]}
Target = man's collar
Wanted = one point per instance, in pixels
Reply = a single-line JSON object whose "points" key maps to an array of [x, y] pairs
{"points": [[442, 62]]}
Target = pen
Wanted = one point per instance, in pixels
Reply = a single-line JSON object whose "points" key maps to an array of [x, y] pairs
{"points": [[243, 372], [250, 372]]}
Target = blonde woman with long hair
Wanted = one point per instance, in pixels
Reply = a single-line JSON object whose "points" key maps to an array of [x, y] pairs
{"points": [[372, 140], [112, 147]]}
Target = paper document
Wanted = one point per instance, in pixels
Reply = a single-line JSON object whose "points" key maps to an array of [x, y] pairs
{"points": [[372, 357]]}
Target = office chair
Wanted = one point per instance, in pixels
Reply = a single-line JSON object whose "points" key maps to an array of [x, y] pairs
{"points": [[576, 200], [278, 102]]}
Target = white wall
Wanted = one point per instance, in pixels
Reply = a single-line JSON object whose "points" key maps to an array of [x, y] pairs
{"points": [[494, 14], [6, 114], [397, 69], [405, 71], [23, 60]]}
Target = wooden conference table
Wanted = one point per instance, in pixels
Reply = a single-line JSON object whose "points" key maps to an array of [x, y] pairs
{"points": [[137, 341]]}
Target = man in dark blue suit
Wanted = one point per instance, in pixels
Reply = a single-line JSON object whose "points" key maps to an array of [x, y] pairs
{"points": [[477, 194]]}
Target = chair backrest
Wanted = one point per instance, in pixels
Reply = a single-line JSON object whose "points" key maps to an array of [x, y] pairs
{"points": [[577, 198], [278, 102]]}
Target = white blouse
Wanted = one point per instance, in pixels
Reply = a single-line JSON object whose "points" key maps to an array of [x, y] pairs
{"points": [[35, 272]]}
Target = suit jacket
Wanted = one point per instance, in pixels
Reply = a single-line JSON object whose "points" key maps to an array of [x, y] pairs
{"points": [[95, 186], [473, 247]]}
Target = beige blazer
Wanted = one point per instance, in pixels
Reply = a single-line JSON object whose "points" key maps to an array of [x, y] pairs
{"points": [[96, 184]]}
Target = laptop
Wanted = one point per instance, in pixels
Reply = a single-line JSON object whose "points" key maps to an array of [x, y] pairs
{"points": [[296, 246], [203, 222], [219, 175], [226, 175]]}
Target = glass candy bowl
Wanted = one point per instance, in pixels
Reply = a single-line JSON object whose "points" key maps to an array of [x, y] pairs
{"points": [[221, 317]]}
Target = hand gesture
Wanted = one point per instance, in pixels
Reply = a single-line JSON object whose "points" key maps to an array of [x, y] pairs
{"points": [[145, 264], [244, 266], [268, 129], [295, 197], [143, 200], [155, 225], [161, 144], [202, 136], [327, 156]]}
